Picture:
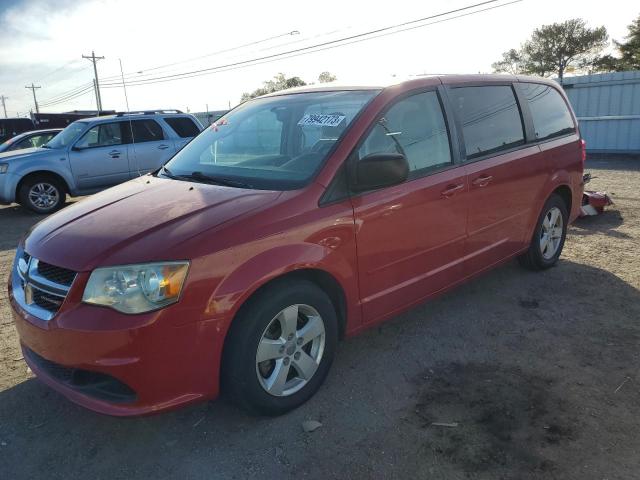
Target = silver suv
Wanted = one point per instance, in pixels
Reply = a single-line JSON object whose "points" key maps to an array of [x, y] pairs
{"points": [[92, 154]]}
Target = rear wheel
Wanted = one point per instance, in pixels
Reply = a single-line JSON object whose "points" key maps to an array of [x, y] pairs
{"points": [[549, 236], [280, 348], [42, 194]]}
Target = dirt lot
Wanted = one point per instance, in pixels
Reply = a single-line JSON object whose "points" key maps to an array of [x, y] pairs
{"points": [[535, 375]]}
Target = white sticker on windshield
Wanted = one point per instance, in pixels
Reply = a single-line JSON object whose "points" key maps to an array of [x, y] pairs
{"points": [[318, 120]]}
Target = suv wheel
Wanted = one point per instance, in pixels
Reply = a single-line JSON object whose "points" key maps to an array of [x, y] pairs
{"points": [[280, 348], [42, 194], [549, 236]]}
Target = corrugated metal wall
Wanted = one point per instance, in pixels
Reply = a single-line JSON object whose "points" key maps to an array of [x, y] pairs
{"points": [[608, 108]]}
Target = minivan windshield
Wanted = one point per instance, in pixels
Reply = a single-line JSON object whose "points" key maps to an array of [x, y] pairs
{"points": [[275, 143], [67, 136]]}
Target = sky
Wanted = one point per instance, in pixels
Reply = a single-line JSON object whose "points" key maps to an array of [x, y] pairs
{"points": [[42, 41]]}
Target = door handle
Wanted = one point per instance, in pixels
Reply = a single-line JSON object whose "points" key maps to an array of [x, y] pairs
{"points": [[115, 153], [451, 190], [482, 181], [163, 147]]}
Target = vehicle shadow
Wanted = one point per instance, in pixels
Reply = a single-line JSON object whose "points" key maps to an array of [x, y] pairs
{"points": [[555, 325], [605, 223]]}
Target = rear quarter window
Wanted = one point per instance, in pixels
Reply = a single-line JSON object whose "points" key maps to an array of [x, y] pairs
{"points": [[490, 119], [183, 126], [551, 116]]}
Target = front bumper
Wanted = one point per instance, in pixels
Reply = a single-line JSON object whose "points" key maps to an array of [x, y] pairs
{"points": [[8, 184], [120, 364]]}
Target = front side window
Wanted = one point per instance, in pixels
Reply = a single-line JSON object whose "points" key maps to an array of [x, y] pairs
{"points": [[275, 142], [490, 119], [102, 135], [414, 127], [551, 117]]}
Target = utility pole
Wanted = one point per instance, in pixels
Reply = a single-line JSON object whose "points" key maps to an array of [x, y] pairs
{"points": [[33, 89], [94, 59], [4, 106]]}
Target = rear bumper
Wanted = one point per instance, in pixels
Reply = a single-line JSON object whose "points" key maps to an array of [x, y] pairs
{"points": [[154, 365]]}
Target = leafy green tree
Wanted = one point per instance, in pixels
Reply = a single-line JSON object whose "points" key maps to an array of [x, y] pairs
{"points": [[630, 50], [558, 48], [512, 62], [326, 77], [279, 82]]}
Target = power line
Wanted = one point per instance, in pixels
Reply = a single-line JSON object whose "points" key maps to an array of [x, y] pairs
{"points": [[81, 88], [227, 50], [94, 59], [33, 89], [66, 98], [69, 92], [318, 47]]}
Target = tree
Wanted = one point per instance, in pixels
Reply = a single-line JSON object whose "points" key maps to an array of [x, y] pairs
{"points": [[279, 82], [630, 50], [326, 77], [557, 48], [511, 62]]}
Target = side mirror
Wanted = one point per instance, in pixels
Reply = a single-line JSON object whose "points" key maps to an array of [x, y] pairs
{"points": [[77, 149], [379, 170]]}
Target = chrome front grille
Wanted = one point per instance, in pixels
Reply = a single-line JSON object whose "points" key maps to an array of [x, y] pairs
{"points": [[38, 287]]}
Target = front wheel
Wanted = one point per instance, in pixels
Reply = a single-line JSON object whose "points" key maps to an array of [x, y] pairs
{"points": [[548, 237], [280, 348], [42, 194]]}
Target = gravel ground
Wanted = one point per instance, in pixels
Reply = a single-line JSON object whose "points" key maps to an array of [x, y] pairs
{"points": [[515, 375]]}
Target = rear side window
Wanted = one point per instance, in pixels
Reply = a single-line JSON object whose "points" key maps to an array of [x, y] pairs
{"points": [[145, 131], [183, 126], [414, 127], [490, 119], [551, 117]]}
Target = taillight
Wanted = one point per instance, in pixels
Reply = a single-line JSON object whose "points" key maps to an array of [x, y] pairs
{"points": [[583, 151]]}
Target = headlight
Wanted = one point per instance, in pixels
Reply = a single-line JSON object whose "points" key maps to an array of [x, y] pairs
{"points": [[4, 167], [136, 288]]}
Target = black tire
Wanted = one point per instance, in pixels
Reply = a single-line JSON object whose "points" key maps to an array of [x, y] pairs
{"points": [[240, 381], [58, 197], [534, 258]]}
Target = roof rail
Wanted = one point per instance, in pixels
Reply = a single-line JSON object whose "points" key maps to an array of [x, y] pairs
{"points": [[148, 112]]}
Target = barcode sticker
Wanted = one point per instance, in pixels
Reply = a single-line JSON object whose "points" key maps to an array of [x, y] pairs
{"points": [[318, 120]]}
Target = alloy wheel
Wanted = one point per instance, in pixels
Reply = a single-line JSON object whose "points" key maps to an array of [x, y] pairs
{"points": [[44, 195], [290, 350], [551, 233]]}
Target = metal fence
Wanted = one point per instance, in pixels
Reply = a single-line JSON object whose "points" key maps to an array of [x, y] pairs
{"points": [[608, 108]]}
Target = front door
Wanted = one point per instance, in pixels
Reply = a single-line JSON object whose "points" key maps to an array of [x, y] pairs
{"points": [[99, 159], [410, 237]]}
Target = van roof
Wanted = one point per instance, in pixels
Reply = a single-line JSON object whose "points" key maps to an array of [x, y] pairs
{"points": [[415, 82]]}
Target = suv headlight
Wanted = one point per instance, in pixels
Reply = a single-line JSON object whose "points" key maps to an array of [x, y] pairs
{"points": [[4, 167], [136, 288]]}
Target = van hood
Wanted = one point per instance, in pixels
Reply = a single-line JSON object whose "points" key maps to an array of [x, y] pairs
{"points": [[25, 152], [142, 220]]}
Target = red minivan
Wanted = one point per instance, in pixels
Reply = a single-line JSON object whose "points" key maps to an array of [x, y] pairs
{"points": [[297, 219]]}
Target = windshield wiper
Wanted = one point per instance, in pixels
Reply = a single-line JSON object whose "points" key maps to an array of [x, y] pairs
{"points": [[45, 146], [203, 177], [167, 173]]}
